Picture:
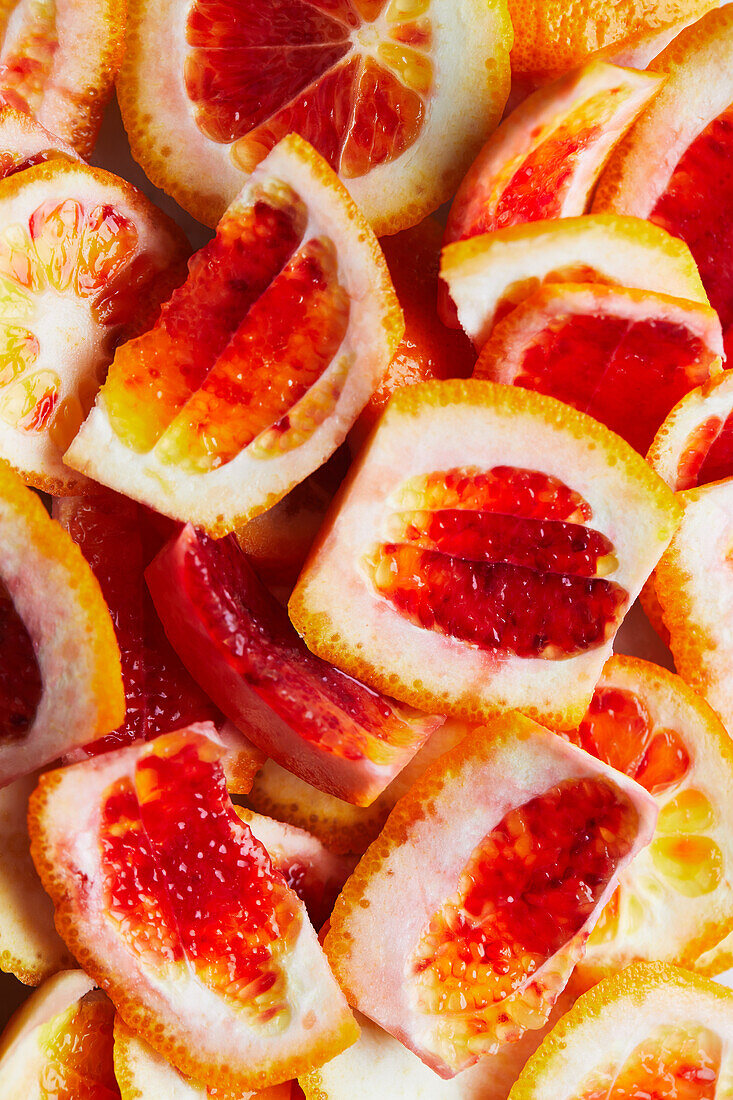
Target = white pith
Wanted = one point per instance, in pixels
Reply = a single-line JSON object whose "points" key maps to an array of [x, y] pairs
{"points": [[703, 403]]}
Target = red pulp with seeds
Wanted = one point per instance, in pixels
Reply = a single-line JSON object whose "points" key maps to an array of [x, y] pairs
{"points": [[673, 1063], [708, 454]]}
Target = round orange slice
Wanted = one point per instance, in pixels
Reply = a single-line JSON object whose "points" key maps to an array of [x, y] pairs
{"points": [[652, 1030], [84, 258], [673, 167], [60, 1043], [60, 682], [58, 61], [675, 900], [557, 35], [488, 276], [219, 968], [397, 95], [24, 143], [477, 573], [458, 931], [624, 356], [259, 364], [30, 947], [143, 1074], [694, 586], [694, 445]]}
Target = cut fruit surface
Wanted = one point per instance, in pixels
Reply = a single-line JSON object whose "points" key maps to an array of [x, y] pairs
{"points": [[30, 947], [25, 143], [694, 586], [489, 275], [58, 62], [428, 349], [484, 558], [694, 445], [673, 167], [85, 258], [237, 642], [60, 1044], [557, 35], [624, 356], [652, 1030], [341, 826], [675, 900], [543, 161], [229, 1007], [259, 364], [397, 97], [463, 959], [60, 682]]}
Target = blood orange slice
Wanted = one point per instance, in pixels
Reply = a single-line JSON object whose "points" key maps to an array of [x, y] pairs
{"points": [[626, 357], [60, 1043], [428, 349], [673, 167], [84, 257], [217, 968], [489, 275], [259, 364], [237, 642], [30, 947], [652, 1030], [675, 900], [58, 61], [474, 952], [694, 445], [694, 586], [341, 826], [25, 143], [476, 574], [397, 96], [60, 684]]}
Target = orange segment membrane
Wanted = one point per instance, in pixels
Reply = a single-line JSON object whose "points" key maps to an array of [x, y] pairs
{"points": [[673, 1063], [252, 81], [283, 346], [707, 455], [697, 205], [190, 888], [343, 716], [500, 571], [78, 1053], [526, 891], [20, 677], [627, 374], [26, 62]]}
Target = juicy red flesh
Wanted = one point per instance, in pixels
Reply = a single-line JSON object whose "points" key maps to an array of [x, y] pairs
{"points": [[188, 882], [506, 579], [708, 455], [697, 206], [627, 374], [119, 539], [527, 889], [20, 676], [252, 631]]}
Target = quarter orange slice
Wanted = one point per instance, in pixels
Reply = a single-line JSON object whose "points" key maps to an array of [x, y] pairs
{"points": [[217, 968], [30, 947], [84, 259], [60, 682], [675, 900], [488, 276], [397, 96], [652, 1030], [557, 35], [24, 143], [473, 950], [694, 445], [476, 572], [674, 165], [259, 364], [624, 356], [58, 61], [60, 1043]]}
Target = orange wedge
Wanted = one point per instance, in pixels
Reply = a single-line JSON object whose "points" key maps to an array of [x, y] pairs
{"points": [[694, 445], [24, 143]]}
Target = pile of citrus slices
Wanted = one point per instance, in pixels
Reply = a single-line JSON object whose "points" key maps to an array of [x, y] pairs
{"points": [[366, 574]]}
